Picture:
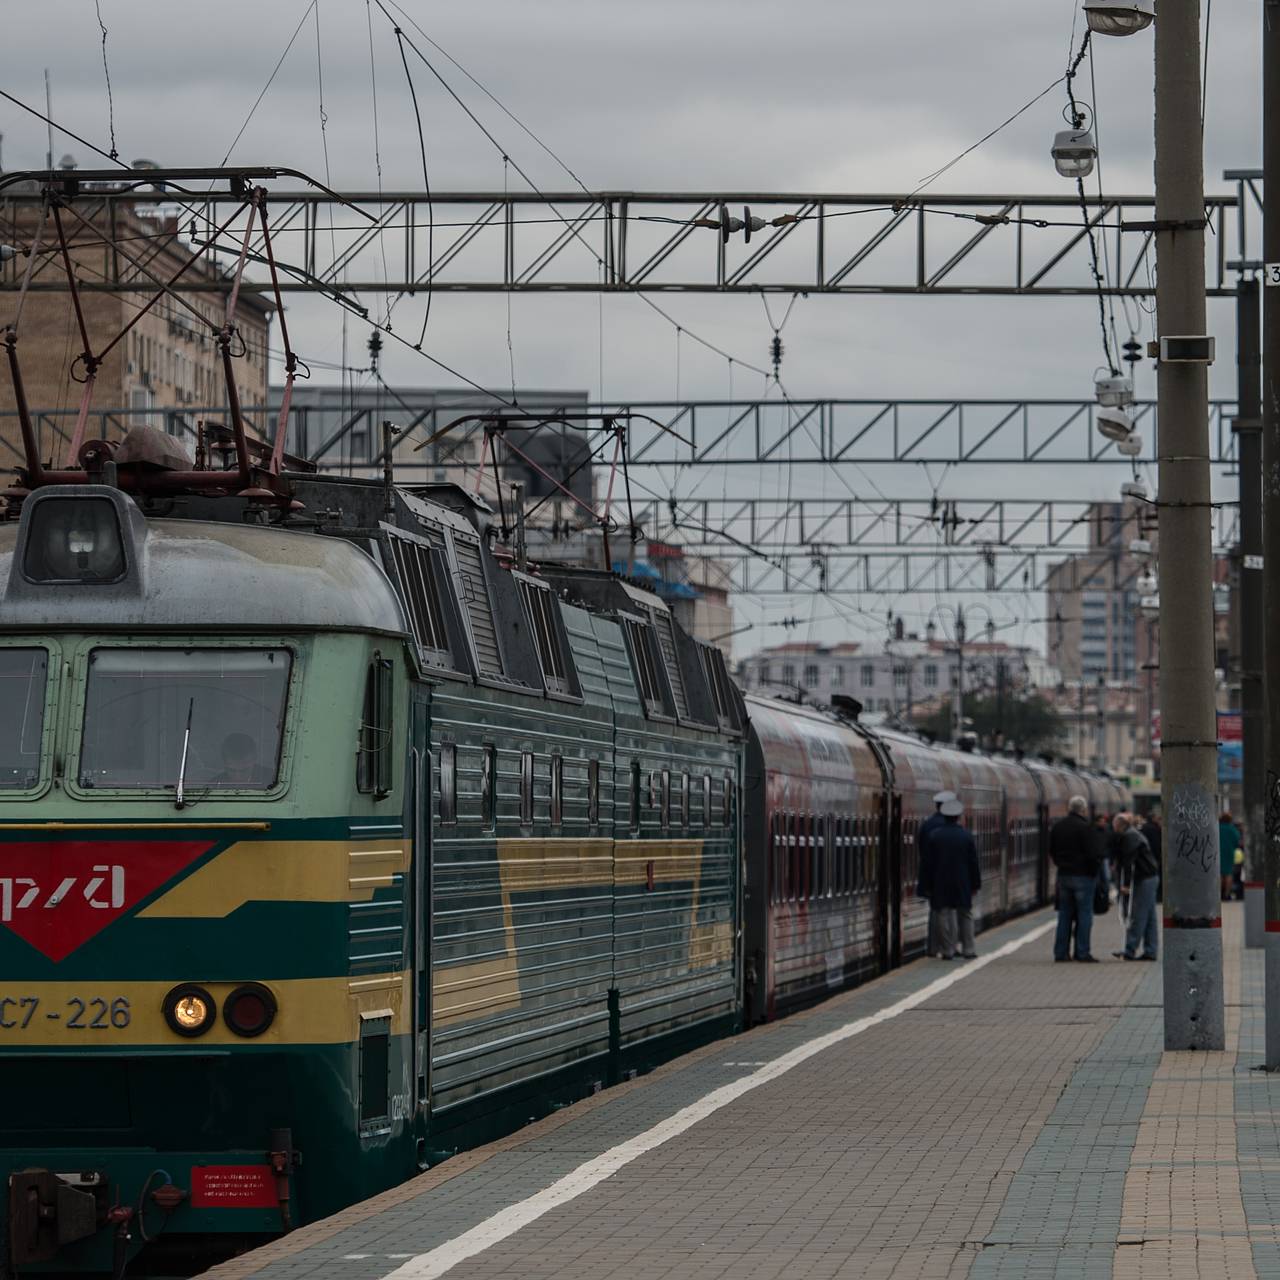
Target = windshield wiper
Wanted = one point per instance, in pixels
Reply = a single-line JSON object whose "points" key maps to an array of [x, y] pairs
{"points": [[179, 798]]}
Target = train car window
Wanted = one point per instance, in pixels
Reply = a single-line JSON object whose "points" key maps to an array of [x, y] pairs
{"points": [[23, 673], [223, 709], [818, 826], [792, 868], [593, 792], [557, 790], [684, 800], [835, 855], [373, 758], [706, 800], [634, 798], [864, 844], [842, 886], [448, 783], [488, 785], [526, 788], [666, 798], [771, 861]]}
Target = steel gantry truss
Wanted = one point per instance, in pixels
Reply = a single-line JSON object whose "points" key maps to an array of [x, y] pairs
{"points": [[752, 433], [825, 525], [944, 572], [626, 241], [698, 433]]}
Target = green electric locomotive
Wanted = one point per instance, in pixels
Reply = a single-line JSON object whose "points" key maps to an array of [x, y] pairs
{"points": [[332, 840]]}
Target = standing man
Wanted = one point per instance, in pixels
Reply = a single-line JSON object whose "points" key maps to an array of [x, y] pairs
{"points": [[1229, 840], [1073, 846], [1138, 865], [956, 877], [924, 878]]}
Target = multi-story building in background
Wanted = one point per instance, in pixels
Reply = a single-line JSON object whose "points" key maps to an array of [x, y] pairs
{"points": [[168, 360], [1100, 636], [1092, 611], [905, 679]]}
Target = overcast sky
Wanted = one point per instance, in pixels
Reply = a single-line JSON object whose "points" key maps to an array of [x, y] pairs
{"points": [[821, 95]]}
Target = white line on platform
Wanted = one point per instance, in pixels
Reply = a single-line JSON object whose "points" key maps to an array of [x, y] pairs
{"points": [[497, 1228]]}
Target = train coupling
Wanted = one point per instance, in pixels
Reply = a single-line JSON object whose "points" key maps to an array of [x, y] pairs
{"points": [[48, 1211]]}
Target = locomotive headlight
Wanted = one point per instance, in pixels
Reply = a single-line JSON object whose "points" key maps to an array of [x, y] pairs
{"points": [[189, 1010], [74, 540]]}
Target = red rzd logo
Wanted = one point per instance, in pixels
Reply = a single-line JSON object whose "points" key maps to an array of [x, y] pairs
{"points": [[57, 895]]}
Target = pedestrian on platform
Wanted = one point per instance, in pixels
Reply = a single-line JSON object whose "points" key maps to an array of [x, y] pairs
{"points": [[956, 878], [924, 880], [1229, 840], [1073, 846], [1138, 868]]}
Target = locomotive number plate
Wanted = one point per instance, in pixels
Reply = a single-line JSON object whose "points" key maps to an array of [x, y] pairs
{"points": [[76, 1013]]}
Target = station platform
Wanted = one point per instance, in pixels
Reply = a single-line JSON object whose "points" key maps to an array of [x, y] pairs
{"points": [[1000, 1117]]}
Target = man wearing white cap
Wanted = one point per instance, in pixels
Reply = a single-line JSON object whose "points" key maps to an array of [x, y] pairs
{"points": [[956, 877], [924, 878]]}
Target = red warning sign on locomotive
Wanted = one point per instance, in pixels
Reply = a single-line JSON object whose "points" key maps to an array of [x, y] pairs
{"points": [[233, 1186]]}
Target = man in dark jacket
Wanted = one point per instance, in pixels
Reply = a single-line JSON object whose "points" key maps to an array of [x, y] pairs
{"points": [[925, 877], [1138, 866], [1073, 846], [955, 879]]}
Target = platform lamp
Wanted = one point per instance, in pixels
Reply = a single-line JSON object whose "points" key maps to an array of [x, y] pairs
{"points": [[1119, 17]]}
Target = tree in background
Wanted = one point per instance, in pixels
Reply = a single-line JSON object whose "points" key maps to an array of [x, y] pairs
{"points": [[1028, 721]]}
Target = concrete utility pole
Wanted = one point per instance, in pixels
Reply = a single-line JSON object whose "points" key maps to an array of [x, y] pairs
{"points": [[1271, 514], [1248, 429], [1193, 1008]]}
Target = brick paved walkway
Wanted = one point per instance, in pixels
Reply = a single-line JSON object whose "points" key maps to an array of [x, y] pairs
{"points": [[1023, 1122]]}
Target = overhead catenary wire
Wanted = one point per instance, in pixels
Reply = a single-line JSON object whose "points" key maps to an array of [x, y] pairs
{"points": [[503, 151], [106, 71], [426, 182], [325, 291], [377, 144], [306, 13]]}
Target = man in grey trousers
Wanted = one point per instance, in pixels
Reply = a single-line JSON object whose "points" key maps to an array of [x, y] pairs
{"points": [[924, 876], [956, 877]]}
